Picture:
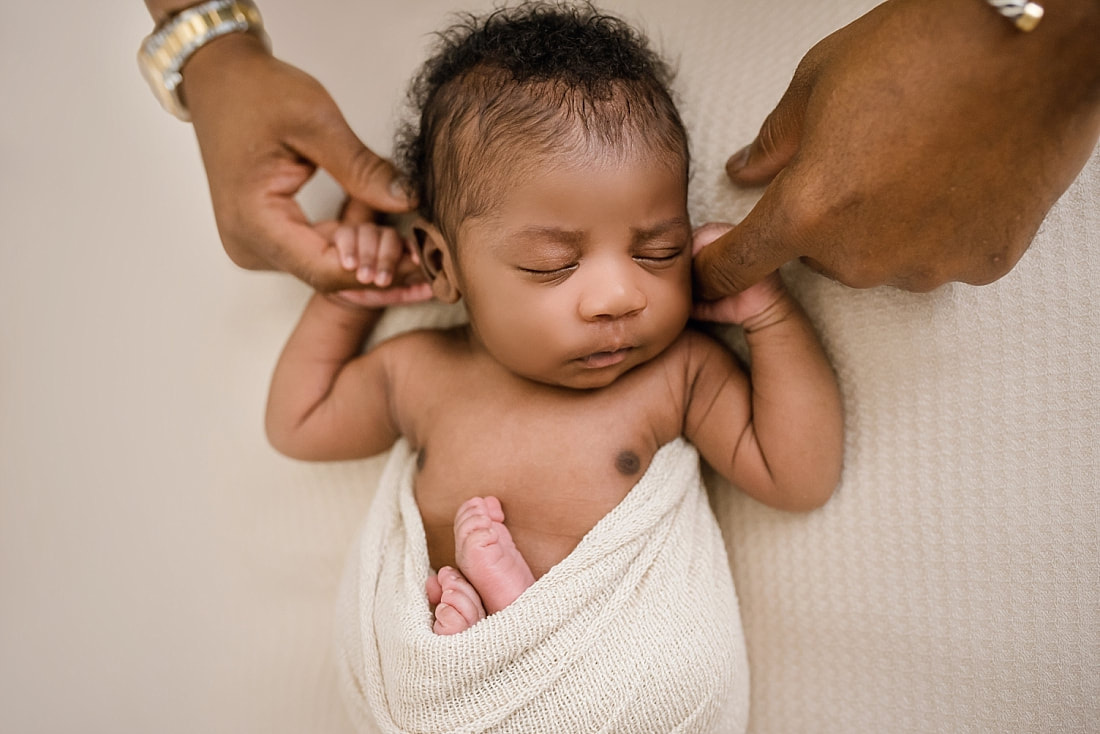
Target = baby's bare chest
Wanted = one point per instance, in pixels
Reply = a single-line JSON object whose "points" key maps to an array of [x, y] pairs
{"points": [[557, 466]]}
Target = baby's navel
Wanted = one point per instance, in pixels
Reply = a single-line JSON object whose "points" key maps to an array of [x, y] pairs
{"points": [[627, 462]]}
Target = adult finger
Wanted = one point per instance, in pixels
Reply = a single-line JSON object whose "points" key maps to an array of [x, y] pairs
{"points": [[331, 144], [306, 250], [355, 212], [392, 296], [749, 251], [776, 143], [704, 234]]}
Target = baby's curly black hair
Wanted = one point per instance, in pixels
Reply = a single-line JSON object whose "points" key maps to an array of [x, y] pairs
{"points": [[505, 91]]}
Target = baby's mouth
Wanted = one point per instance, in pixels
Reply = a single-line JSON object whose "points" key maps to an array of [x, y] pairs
{"points": [[608, 358]]}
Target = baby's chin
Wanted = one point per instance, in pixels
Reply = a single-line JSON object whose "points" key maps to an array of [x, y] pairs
{"points": [[589, 381], [594, 378]]}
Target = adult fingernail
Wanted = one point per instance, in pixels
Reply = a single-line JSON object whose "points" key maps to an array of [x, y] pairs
{"points": [[739, 159], [398, 190]]}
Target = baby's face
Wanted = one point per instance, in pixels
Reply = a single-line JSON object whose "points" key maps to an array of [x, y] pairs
{"points": [[581, 272]]}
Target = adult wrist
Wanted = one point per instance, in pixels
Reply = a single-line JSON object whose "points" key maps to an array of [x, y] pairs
{"points": [[212, 60], [180, 35]]}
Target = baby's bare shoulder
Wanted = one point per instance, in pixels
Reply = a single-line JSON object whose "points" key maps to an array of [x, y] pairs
{"points": [[706, 366], [693, 349], [420, 344], [676, 372]]}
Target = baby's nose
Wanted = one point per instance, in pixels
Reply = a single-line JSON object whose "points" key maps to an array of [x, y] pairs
{"points": [[611, 293]]}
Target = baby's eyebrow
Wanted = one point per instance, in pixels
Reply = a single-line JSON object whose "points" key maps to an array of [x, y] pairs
{"points": [[645, 234], [577, 237], [574, 238], [555, 238]]}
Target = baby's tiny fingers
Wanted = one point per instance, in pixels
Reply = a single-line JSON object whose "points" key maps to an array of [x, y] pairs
{"points": [[344, 240], [367, 240], [390, 249]]}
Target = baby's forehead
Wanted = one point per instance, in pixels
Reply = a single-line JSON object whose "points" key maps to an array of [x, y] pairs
{"points": [[508, 165]]}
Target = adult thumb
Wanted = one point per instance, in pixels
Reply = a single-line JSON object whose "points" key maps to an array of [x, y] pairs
{"points": [[363, 174], [776, 143]]}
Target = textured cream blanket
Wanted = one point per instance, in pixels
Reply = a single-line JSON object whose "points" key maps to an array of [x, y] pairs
{"points": [[637, 630]]}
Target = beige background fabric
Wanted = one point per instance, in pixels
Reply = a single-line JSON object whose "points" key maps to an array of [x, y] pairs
{"points": [[162, 569]]}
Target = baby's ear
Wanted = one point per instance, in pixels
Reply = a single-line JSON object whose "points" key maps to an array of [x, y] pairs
{"points": [[436, 259]]}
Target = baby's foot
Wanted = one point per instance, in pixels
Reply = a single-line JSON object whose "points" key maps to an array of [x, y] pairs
{"points": [[487, 556], [457, 605]]}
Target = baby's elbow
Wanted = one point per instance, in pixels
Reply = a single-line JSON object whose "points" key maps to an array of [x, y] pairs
{"points": [[281, 438], [815, 499], [812, 494], [277, 440], [816, 488]]}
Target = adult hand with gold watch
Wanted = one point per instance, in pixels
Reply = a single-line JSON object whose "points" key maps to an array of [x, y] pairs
{"points": [[264, 127], [921, 144]]}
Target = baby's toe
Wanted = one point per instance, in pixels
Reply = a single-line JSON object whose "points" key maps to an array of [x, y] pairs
{"points": [[433, 589], [448, 621]]}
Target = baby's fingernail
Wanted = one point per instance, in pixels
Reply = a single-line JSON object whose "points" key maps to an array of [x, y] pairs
{"points": [[349, 262], [383, 278], [365, 274]]}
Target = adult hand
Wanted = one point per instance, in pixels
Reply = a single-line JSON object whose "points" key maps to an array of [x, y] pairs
{"points": [[264, 127], [923, 143]]}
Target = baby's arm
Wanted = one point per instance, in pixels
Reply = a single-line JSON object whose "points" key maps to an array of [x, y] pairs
{"points": [[326, 401], [779, 434]]}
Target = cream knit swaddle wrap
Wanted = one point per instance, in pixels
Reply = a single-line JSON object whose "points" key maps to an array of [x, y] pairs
{"points": [[637, 630]]}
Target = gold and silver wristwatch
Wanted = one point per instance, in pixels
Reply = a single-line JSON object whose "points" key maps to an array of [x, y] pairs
{"points": [[164, 52]]}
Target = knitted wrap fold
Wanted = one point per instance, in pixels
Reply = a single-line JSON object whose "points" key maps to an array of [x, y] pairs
{"points": [[636, 630]]}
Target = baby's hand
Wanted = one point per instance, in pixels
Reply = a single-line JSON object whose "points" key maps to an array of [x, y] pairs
{"points": [[383, 261], [755, 307], [371, 250]]}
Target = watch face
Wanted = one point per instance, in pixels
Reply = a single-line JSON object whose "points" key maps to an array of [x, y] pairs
{"points": [[163, 85]]}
